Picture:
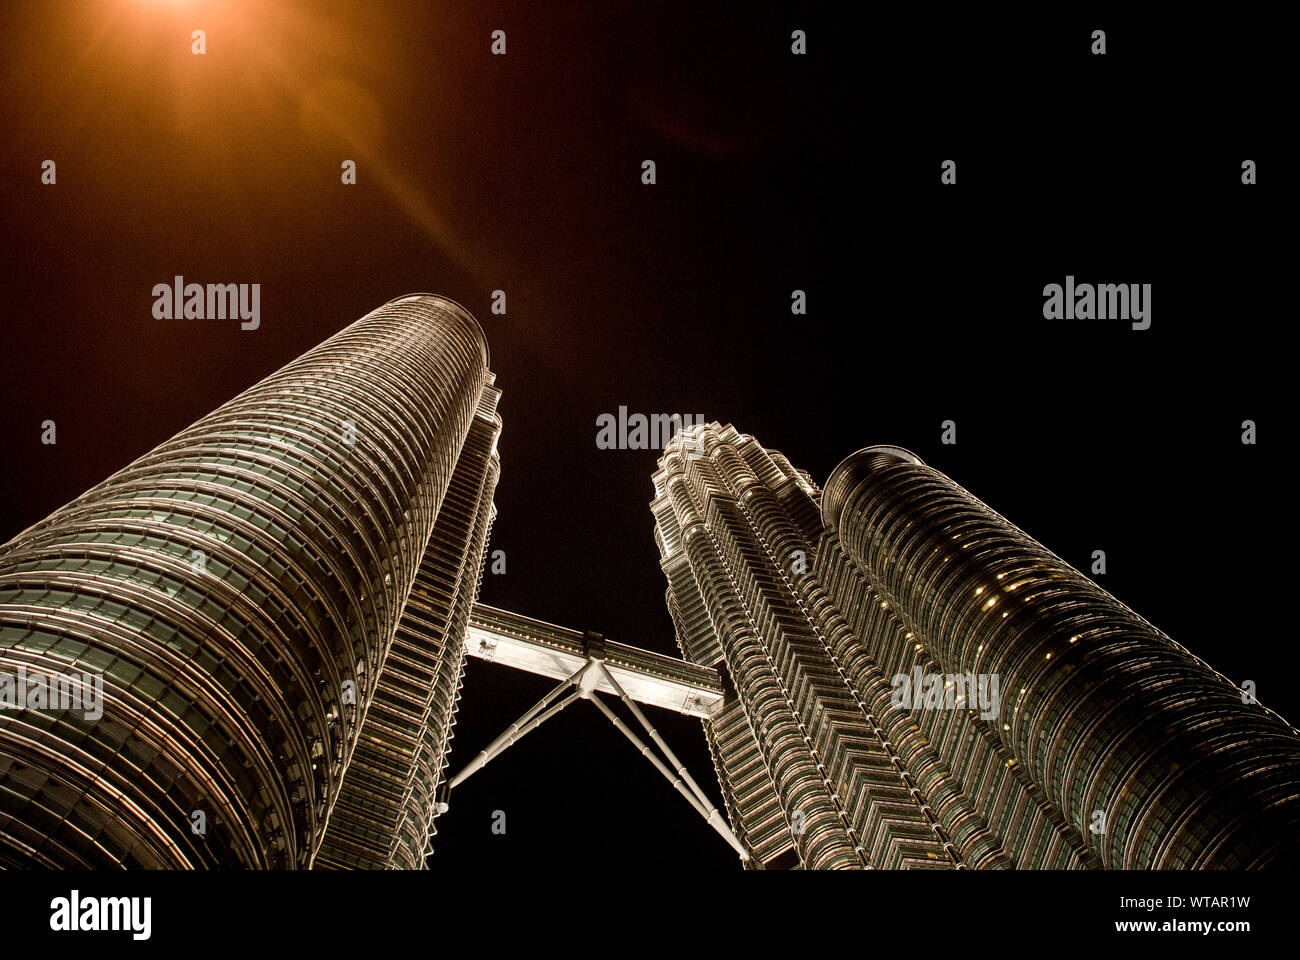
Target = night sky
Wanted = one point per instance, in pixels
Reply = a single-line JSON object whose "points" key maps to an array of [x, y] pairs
{"points": [[775, 172]]}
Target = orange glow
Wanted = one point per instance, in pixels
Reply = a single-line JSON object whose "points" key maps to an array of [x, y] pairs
{"points": [[132, 79]]}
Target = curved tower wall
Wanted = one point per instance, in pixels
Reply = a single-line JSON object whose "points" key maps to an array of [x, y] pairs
{"points": [[384, 817], [1149, 754], [238, 590], [816, 767]]}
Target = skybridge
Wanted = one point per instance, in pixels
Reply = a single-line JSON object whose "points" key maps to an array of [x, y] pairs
{"points": [[557, 652], [586, 664]]}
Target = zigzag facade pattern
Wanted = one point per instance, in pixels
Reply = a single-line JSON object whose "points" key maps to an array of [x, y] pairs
{"points": [[1111, 745], [815, 775]]}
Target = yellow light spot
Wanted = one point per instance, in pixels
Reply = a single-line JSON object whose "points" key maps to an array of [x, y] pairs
{"points": [[978, 591]]}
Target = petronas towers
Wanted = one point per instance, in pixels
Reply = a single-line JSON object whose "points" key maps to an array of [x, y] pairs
{"points": [[916, 683], [274, 607]]}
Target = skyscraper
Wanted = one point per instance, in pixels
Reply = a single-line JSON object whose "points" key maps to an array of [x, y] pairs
{"points": [[275, 600], [914, 682], [278, 602]]}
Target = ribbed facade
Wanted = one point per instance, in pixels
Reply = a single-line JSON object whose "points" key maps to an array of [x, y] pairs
{"points": [[1150, 756], [813, 607], [243, 592], [385, 812], [968, 763], [815, 768]]}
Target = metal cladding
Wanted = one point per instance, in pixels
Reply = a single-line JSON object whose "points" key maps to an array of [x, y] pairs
{"points": [[1102, 744], [1151, 757], [248, 592], [816, 769], [271, 613], [384, 817]]}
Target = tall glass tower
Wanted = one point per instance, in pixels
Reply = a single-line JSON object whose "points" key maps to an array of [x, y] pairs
{"points": [[275, 600], [913, 682], [1150, 755]]}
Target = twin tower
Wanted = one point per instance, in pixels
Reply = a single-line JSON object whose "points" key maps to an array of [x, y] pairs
{"points": [[278, 604]]}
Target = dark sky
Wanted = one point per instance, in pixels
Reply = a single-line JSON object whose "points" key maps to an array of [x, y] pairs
{"points": [[775, 172]]}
